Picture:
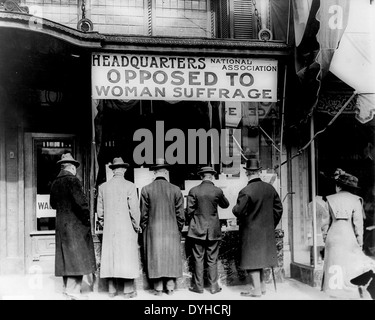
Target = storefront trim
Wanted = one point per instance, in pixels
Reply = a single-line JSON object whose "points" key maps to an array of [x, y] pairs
{"points": [[88, 42], [22, 21], [306, 274]]}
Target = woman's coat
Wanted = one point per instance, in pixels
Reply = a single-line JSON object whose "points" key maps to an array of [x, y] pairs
{"points": [[74, 245], [344, 258], [117, 203], [162, 220], [258, 211]]}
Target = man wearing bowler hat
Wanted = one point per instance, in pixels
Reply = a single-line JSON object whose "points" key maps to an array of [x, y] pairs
{"points": [[162, 220], [119, 214], [75, 254], [258, 211], [204, 229]]}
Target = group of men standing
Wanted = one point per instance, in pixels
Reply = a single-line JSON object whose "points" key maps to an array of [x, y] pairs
{"points": [[159, 217]]}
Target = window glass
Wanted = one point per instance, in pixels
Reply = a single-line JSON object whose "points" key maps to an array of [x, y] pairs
{"points": [[119, 17], [302, 213], [182, 18], [173, 127], [61, 11]]}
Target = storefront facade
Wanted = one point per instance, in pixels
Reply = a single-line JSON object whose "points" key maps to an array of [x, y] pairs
{"points": [[345, 144], [334, 126], [160, 70], [48, 108]]}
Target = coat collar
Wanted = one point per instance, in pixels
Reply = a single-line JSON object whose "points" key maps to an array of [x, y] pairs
{"points": [[118, 175], [160, 178], [64, 173], [207, 182], [254, 180]]}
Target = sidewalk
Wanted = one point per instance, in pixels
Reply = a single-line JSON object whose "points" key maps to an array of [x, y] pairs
{"points": [[48, 287]]}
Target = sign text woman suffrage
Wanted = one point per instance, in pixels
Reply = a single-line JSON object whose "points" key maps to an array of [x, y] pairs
{"points": [[151, 77]]}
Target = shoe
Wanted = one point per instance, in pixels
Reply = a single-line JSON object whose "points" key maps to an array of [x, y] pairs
{"points": [[130, 295], [158, 293], [263, 289], [250, 294], [170, 292], [216, 290], [73, 296], [112, 294], [196, 290]]}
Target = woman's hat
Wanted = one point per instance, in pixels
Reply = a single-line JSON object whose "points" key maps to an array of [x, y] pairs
{"points": [[159, 164], [67, 158], [252, 165], [345, 179], [118, 163], [206, 169]]}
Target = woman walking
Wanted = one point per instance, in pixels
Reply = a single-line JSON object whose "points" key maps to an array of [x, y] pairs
{"points": [[343, 234]]}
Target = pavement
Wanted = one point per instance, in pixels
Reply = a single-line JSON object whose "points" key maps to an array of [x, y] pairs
{"points": [[49, 287]]}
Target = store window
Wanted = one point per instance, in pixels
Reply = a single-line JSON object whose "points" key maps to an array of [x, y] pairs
{"points": [[303, 231], [118, 121], [48, 152], [352, 151], [192, 111]]}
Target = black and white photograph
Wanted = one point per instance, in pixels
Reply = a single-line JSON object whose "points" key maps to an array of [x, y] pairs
{"points": [[187, 155]]}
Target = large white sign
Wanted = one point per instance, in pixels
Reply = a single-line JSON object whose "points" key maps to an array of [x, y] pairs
{"points": [[151, 77]]}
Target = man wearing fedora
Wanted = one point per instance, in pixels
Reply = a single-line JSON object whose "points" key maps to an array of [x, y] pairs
{"points": [[204, 229], [119, 214], [162, 220], [258, 211], [75, 254]]}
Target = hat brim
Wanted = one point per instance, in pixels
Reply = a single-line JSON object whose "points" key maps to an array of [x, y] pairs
{"points": [[120, 165], [76, 163], [340, 183], [159, 166], [206, 171], [252, 169]]}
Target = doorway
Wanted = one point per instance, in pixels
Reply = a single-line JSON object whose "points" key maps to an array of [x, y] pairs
{"points": [[42, 151]]}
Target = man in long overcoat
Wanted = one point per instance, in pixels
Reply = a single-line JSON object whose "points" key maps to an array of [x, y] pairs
{"points": [[119, 214], [204, 229], [75, 254], [162, 220], [258, 211]]}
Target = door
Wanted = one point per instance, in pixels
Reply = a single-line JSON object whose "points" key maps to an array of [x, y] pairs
{"points": [[42, 151]]}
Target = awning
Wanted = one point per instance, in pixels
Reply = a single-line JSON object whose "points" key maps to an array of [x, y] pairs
{"points": [[354, 60], [337, 36]]}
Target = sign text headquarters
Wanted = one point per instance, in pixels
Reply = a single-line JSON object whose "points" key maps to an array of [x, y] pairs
{"points": [[144, 77]]}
